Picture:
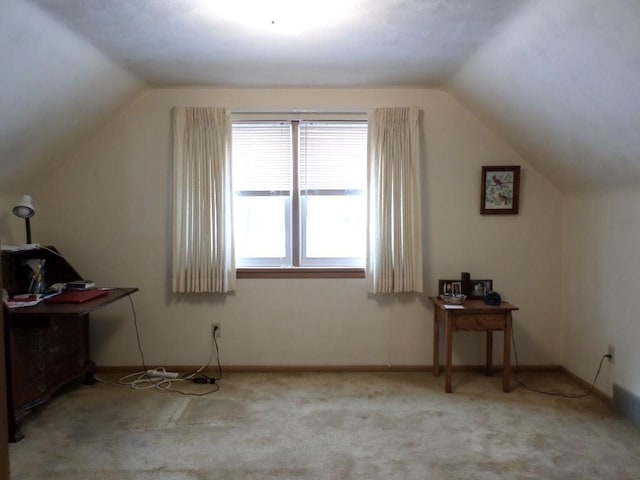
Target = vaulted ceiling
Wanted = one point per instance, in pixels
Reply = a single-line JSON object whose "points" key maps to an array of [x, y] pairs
{"points": [[557, 79]]}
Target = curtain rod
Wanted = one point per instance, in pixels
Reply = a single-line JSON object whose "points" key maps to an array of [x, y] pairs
{"points": [[299, 112]]}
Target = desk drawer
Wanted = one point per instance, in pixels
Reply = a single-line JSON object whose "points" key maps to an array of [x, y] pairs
{"points": [[30, 393], [480, 322]]}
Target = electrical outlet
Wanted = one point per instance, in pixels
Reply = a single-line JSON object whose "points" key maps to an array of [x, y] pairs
{"points": [[216, 330], [612, 354]]}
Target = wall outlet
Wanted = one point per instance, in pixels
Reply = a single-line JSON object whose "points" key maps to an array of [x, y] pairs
{"points": [[216, 330], [612, 352]]}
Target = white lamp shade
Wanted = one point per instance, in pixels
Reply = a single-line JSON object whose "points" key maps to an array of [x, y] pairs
{"points": [[24, 209]]}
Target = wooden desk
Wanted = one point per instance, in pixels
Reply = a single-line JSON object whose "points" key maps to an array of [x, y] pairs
{"points": [[474, 315], [44, 309], [4, 415], [46, 345]]}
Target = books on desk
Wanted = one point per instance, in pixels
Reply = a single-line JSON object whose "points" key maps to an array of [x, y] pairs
{"points": [[67, 296], [80, 285], [27, 299], [23, 300]]}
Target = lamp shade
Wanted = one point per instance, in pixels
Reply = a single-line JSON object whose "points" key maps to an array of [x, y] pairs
{"points": [[24, 209]]}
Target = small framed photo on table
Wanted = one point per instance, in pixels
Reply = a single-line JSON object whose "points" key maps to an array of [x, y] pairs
{"points": [[478, 288], [450, 287], [500, 190]]}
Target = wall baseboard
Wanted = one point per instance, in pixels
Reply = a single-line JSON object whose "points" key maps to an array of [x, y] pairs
{"points": [[624, 401], [627, 403], [320, 368], [596, 391]]}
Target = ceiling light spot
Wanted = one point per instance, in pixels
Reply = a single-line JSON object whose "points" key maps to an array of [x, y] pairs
{"points": [[286, 17]]}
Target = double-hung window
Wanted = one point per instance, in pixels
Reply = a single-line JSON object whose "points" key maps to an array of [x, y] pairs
{"points": [[300, 193]]}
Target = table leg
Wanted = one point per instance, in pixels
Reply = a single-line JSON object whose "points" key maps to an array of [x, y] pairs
{"points": [[489, 366], [436, 343], [449, 341], [506, 361]]}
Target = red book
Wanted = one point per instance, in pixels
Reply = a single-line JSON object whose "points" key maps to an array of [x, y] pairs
{"points": [[77, 296]]}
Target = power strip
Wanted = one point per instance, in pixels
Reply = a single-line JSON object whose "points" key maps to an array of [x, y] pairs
{"points": [[162, 374]]}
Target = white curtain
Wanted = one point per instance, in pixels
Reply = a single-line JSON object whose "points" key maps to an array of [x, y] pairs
{"points": [[394, 257], [203, 252]]}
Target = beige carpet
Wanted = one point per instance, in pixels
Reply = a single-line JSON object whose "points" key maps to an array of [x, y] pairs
{"points": [[329, 426]]}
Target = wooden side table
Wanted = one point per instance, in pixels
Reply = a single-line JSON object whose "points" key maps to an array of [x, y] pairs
{"points": [[473, 315]]}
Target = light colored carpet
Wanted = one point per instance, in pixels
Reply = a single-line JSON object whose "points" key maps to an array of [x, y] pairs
{"points": [[329, 426]]}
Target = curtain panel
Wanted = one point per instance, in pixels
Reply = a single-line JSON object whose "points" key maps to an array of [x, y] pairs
{"points": [[394, 256], [203, 251]]}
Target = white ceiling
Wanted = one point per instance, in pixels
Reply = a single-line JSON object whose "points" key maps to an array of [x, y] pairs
{"points": [[557, 79], [383, 42]]}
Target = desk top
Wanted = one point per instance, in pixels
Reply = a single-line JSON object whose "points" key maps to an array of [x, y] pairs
{"points": [[472, 306], [44, 309]]}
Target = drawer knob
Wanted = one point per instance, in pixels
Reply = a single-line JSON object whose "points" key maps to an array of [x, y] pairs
{"points": [[38, 344]]}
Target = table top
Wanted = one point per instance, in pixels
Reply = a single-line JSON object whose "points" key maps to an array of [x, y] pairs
{"points": [[472, 306], [71, 309]]}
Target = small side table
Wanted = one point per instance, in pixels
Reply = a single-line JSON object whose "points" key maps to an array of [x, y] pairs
{"points": [[473, 315]]}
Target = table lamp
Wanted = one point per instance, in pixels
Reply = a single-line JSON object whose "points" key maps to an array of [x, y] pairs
{"points": [[25, 210]]}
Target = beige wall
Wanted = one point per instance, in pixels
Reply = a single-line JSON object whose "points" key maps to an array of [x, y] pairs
{"points": [[108, 210], [10, 225], [602, 264]]}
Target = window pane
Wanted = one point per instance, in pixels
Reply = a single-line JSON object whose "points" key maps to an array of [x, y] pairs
{"points": [[262, 177], [333, 183], [335, 227], [260, 227]]}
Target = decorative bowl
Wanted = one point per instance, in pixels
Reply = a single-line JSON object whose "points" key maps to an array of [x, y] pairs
{"points": [[453, 299]]}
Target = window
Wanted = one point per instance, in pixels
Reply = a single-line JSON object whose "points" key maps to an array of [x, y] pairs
{"points": [[300, 193]]}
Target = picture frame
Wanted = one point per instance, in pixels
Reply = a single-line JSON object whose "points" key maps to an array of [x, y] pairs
{"points": [[478, 288], [465, 285], [447, 286], [500, 192]]}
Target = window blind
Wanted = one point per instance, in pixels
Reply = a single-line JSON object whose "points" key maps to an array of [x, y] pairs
{"points": [[331, 154], [262, 156]]}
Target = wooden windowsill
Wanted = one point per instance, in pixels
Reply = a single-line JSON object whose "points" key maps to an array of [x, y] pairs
{"points": [[297, 272]]}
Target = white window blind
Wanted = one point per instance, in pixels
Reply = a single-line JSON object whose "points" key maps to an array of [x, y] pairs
{"points": [[331, 155], [262, 156]]}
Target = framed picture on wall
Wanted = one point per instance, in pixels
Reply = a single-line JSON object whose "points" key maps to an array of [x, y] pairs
{"points": [[500, 190]]}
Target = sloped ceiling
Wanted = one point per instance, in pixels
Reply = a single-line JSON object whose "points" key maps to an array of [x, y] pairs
{"points": [[561, 82], [557, 79], [55, 89]]}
